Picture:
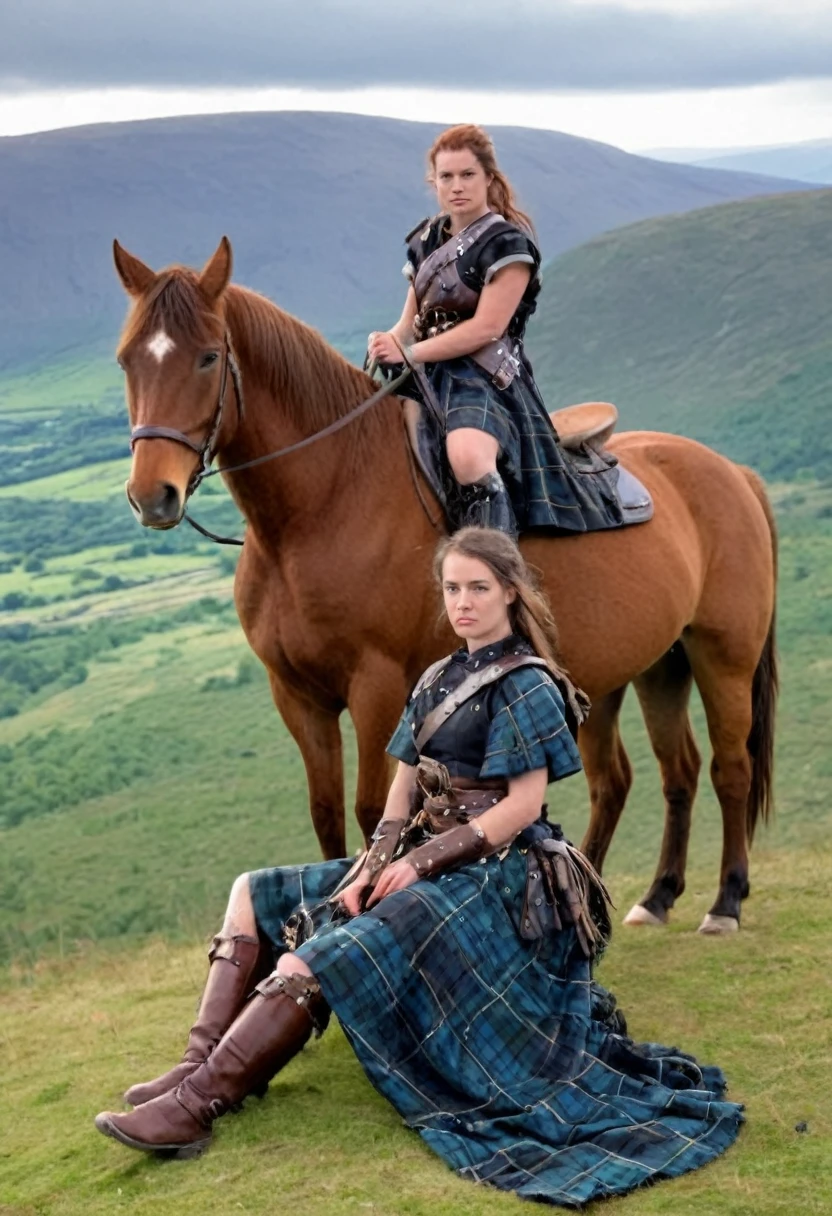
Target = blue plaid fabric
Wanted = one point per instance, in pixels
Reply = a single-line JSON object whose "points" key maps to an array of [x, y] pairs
{"points": [[494, 1049], [521, 718], [546, 490], [500, 1052], [528, 730]]}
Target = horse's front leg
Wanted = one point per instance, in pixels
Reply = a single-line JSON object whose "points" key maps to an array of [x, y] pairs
{"points": [[378, 693], [317, 733]]}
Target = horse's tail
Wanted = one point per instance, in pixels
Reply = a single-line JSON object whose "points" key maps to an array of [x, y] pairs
{"points": [[763, 694]]}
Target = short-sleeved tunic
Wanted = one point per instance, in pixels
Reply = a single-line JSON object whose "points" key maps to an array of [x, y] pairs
{"points": [[546, 490], [499, 1051]]}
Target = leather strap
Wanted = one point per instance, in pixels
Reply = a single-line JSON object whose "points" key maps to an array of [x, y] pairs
{"points": [[437, 294], [205, 448], [304, 990], [453, 248], [562, 889], [165, 432], [469, 686], [226, 947]]}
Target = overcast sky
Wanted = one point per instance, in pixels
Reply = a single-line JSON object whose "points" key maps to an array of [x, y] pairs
{"points": [[639, 73]]}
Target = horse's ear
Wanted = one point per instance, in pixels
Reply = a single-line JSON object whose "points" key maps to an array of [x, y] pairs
{"points": [[135, 276], [216, 272]]}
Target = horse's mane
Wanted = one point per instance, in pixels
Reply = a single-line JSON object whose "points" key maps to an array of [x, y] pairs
{"points": [[309, 377], [291, 360]]}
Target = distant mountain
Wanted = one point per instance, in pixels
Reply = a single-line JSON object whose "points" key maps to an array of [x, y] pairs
{"points": [[316, 206], [714, 324], [810, 162]]}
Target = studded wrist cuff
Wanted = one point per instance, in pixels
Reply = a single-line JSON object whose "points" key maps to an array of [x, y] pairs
{"points": [[467, 842], [386, 840]]}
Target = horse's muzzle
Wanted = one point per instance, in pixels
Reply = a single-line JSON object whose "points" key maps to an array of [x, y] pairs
{"points": [[161, 509]]}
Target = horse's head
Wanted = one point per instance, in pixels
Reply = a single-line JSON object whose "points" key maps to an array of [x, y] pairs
{"points": [[175, 356]]}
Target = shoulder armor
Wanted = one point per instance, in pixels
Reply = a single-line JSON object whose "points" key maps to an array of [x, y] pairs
{"points": [[504, 228], [427, 677], [422, 229]]}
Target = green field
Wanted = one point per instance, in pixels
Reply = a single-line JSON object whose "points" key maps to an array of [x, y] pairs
{"points": [[191, 762], [88, 483], [323, 1143], [90, 378]]}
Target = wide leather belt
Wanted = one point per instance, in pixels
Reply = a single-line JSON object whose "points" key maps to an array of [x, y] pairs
{"points": [[444, 802]]}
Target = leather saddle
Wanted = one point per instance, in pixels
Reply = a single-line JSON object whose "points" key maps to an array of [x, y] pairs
{"points": [[582, 432]]}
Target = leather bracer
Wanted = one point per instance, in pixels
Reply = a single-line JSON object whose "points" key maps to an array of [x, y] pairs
{"points": [[386, 839], [461, 844]]}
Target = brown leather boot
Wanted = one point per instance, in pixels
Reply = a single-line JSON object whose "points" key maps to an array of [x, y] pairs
{"points": [[237, 966], [272, 1029]]}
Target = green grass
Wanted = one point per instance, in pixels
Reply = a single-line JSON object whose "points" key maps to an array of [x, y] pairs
{"points": [[91, 483], [72, 583], [88, 378], [158, 666], [711, 324], [76, 1032]]}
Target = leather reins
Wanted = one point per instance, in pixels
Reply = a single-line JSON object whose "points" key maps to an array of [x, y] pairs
{"points": [[205, 449]]}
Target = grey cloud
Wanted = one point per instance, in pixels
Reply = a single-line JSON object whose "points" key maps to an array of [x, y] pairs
{"points": [[528, 44]]}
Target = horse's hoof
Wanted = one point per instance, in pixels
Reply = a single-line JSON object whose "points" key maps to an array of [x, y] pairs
{"points": [[719, 924], [639, 915]]}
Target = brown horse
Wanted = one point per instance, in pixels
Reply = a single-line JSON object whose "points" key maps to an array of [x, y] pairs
{"points": [[334, 587]]}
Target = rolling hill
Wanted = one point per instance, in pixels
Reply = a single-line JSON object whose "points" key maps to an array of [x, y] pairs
{"points": [[316, 206], [714, 324], [811, 160]]}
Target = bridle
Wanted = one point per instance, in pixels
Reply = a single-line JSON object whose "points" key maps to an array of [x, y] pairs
{"points": [[205, 449]]}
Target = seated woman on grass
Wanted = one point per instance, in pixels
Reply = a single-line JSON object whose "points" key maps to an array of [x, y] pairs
{"points": [[457, 952]]}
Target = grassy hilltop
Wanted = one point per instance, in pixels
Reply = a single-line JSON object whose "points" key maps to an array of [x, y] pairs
{"points": [[142, 766], [714, 324]]}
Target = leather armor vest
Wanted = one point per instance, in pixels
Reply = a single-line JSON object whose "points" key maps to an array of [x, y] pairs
{"points": [[444, 300]]}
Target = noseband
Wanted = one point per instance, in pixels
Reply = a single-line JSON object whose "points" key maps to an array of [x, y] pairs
{"points": [[205, 449]]}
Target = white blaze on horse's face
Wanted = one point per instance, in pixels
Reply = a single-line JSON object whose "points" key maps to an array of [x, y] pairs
{"points": [[160, 345]]}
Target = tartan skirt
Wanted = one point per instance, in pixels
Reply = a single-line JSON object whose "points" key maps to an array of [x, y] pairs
{"points": [[546, 489], [499, 1052]]}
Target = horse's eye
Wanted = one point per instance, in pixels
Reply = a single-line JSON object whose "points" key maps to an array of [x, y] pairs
{"points": [[208, 359]]}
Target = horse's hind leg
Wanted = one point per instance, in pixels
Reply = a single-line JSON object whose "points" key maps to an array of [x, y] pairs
{"points": [[608, 774], [663, 692], [727, 696], [316, 731]]}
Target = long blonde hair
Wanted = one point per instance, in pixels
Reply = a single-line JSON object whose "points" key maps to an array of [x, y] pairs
{"points": [[470, 138]]}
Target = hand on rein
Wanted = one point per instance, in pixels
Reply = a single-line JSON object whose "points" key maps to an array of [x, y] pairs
{"points": [[385, 348], [351, 896]]}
